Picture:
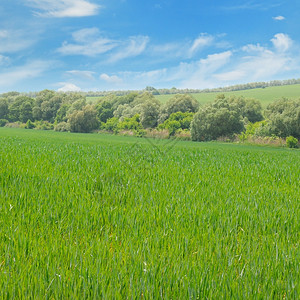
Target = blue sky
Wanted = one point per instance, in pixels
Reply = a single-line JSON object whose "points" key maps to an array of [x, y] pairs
{"points": [[130, 44]]}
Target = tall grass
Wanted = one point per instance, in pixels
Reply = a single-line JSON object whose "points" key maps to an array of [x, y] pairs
{"points": [[89, 216]]}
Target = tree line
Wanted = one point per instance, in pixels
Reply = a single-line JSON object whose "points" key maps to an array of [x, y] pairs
{"points": [[140, 114], [174, 90]]}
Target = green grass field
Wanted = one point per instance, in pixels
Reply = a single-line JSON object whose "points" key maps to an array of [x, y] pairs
{"points": [[87, 216], [265, 96]]}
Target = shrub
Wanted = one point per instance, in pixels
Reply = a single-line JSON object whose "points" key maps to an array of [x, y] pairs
{"points": [[43, 125], [284, 118], [62, 126], [216, 119], [183, 134], [110, 125], [291, 142], [29, 125], [157, 134], [3, 122], [132, 124], [84, 120]]}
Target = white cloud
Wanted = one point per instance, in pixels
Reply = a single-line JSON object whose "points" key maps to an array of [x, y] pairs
{"points": [[251, 5], [279, 18], [282, 42], [252, 62], [111, 79], [64, 8], [201, 42], [250, 48], [20, 73], [12, 41], [261, 63], [133, 47], [86, 34], [199, 74], [68, 87], [186, 49], [88, 42], [83, 74], [4, 60], [3, 34], [193, 75]]}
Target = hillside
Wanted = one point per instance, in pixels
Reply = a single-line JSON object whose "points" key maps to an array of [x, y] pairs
{"points": [[265, 95]]}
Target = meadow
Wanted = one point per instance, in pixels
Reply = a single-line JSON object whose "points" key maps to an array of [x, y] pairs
{"points": [[89, 216], [264, 95]]}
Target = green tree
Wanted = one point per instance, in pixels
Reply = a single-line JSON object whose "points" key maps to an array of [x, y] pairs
{"points": [[20, 108], [105, 110], [84, 120], [216, 119], [284, 118], [4, 111], [182, 103], [176, 121], [77, 106], [149, 112], [26, 112], [291, 142], [61, 115]]}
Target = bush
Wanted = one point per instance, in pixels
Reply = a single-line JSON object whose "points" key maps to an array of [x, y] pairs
{"points": [[178, 103], [291, 142], [216, 119], [29, 125], [183, 134], [131, 124], [43, 125], [3, 122], [62, 126], [284, 118], [85, 120], [111, 125]]}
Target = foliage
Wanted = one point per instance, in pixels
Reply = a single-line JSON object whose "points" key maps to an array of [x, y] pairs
{"points": [[149, 112], [105, 110], [3, 122], [29, 125], [284, 117], [258, 129], [178, 103], [62, 126], [78, 105], [176, 121], [111, 125], [84, 120], [4, 111], [61, 115], [131, 124], [43, 125], [20, 109], [221, 118], [291, 142]]}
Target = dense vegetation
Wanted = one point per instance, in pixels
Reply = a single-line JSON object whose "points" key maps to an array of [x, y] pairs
{"points": [[143, 114], [100, 216]]}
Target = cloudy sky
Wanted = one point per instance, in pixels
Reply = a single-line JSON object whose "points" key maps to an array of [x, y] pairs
{"points": [[130, 44]]}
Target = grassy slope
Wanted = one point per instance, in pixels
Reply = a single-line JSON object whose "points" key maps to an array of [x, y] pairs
{"points": [[266, 95], [96, 216]]}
